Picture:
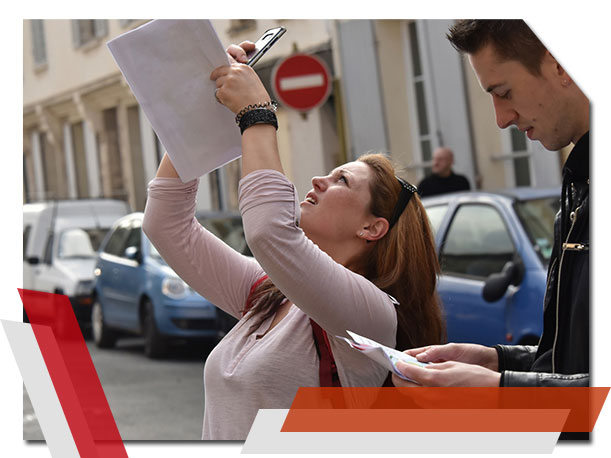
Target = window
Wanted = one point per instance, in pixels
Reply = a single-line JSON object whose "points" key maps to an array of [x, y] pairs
{"points": [[125, 22], [116, 243], [216, 193], [88, 30], [477, 244], [436, 214], [26, 237], [115, 162], [39, 48], [75, 243], [49, 250], [237, 26], [159, 149], [134, 238], [521, 164], [80, 242], [419, 82], [537, 217], [80, 161], [52, 168], [135, 146]]}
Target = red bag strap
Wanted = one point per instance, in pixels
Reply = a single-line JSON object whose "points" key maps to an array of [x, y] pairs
{"points": [[327, 369]]}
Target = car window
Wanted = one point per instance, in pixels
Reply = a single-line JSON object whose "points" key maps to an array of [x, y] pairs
{"points": [[478, 243], [75, 243], [436, 214], [49, 249], [96, 236], [537, 217], [133, 239], [26, 238], [116, 242]]}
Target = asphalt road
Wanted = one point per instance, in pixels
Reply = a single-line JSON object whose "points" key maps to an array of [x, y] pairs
{"points": [[150, 399]]}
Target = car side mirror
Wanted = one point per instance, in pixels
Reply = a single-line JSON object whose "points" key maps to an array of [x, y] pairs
{"points": [[496, 284], [133, 253], [33, 260]]}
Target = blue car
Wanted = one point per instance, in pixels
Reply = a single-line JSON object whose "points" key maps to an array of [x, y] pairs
{"points": [[494, 250], [136, 292]]}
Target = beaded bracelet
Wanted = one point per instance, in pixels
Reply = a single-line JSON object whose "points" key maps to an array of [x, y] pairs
{"points": [[258, 116], [272, 104]]}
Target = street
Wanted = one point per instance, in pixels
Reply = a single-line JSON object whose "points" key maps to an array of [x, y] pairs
{"points": [[150, 399]]}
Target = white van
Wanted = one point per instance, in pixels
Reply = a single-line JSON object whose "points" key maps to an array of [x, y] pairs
{"points": [[60, 240]]}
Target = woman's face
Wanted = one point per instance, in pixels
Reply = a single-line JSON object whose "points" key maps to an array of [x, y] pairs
{"points": [[337, 208]]}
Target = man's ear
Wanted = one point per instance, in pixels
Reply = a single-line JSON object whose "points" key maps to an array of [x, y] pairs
{"points": [[377, 229], [557, 69]]}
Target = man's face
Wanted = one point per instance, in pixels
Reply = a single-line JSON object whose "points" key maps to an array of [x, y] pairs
{"points": [[532, 103], [442, 162]]}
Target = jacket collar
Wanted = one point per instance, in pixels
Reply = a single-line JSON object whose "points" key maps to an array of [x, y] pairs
{"points": [[577, 166]]}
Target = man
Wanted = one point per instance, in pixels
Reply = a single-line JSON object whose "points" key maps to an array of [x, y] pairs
{"points": [[443, 179], [532, 91]]}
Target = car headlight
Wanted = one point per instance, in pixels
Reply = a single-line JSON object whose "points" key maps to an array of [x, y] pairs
{"points": [[174, 288]]}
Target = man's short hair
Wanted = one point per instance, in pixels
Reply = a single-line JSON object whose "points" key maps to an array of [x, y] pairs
{"points": [[512, 39]]}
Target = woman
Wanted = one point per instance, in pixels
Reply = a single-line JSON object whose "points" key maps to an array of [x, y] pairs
{"points": [[359, 237]]}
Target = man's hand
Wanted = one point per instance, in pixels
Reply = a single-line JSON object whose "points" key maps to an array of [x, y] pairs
{"points": [[464, 353], [451, 373]]}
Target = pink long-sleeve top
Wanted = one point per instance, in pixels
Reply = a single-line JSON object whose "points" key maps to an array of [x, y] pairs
{"points": [[248, 371]]}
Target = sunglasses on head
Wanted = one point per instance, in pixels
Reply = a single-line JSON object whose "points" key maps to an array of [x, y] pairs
{"points": [[407, 191]]}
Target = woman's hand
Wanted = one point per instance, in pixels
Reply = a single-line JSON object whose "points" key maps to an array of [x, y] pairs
{"points": [[237, 53], [237, 84]]}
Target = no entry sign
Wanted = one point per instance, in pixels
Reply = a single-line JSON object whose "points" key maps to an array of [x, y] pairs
{"points": [[301, 82]]}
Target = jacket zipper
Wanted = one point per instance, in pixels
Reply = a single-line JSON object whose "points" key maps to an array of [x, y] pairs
{"points": [[566, 246], [575, 246]]}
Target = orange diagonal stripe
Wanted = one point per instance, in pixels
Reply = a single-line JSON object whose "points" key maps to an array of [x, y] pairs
{"points": [[429, 420], [583, 405]]}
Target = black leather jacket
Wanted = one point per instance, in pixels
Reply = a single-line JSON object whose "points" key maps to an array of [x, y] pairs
{"points": [[562, 357]]}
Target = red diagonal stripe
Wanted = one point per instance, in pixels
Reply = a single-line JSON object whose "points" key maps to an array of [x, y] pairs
{"points": [[73, 375]]}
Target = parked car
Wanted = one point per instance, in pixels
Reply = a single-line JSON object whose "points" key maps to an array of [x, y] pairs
{"points": [[136, 292], [60, 240], [494, 249]]}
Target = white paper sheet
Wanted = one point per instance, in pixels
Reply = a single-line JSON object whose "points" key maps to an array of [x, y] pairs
{"points": [[385, 356], [167, 64]]}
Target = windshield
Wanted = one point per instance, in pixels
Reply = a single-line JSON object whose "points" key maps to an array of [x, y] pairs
{"points": [[537, 217], [80, 243]]}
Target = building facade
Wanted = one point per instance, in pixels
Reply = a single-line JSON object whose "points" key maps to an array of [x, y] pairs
{"points": [[398, 87]]}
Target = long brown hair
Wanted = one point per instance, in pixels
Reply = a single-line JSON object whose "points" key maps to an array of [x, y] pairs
{"points": [[403, 264]]}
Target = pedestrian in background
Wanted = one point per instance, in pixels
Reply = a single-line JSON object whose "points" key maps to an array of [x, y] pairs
{"points": [[357, 254], [531, 90], [443, 179]]}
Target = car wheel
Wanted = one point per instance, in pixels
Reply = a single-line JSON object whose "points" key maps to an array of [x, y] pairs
{"points": [[155, 345], [103, 336]]}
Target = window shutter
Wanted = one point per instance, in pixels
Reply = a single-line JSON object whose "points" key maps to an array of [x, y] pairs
{"points": [[39, 50], [76, 33], [101, 28]]}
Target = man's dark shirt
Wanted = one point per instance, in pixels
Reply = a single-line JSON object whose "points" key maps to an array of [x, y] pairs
{"points": [[434, 184]]}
